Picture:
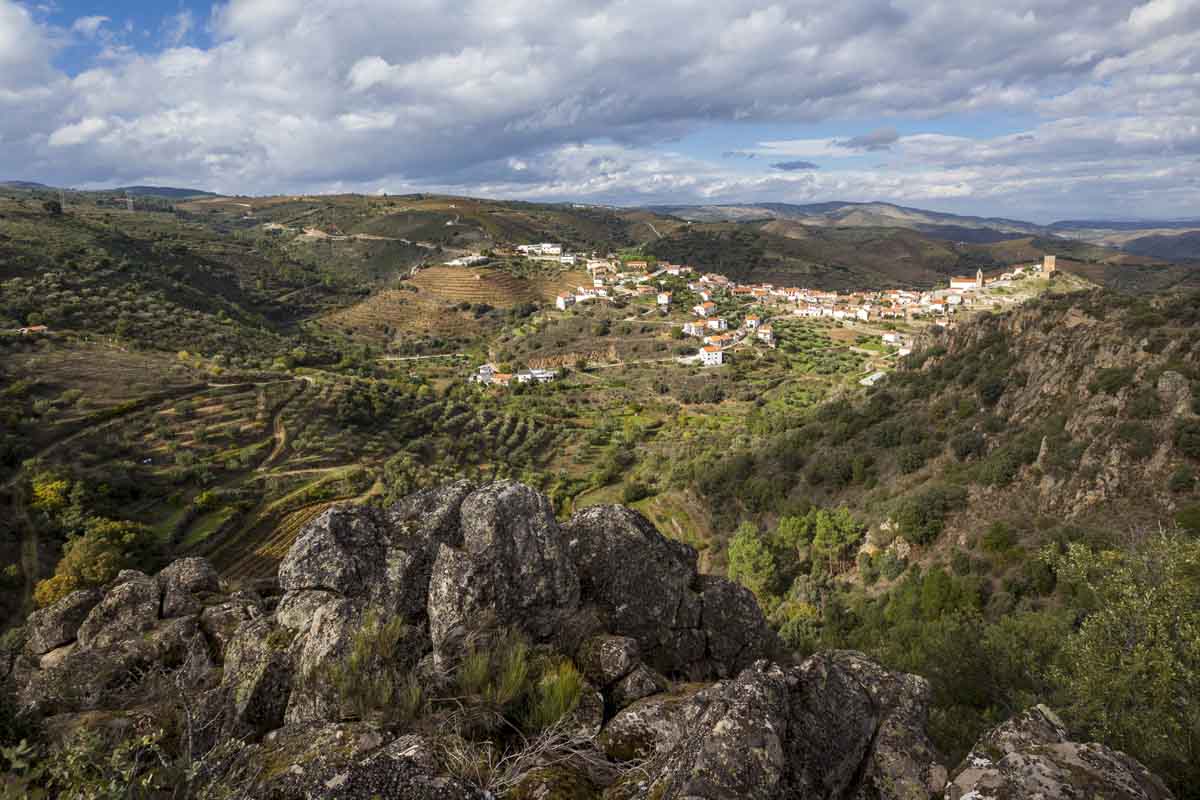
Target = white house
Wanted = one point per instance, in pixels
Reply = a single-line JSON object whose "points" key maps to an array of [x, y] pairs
{"points": [[564, 301], [711, 356], [716, 324], [568, 260], [966, 282], [766, 335], [664, 298], [873, 378], [704, 309], [752, 321], [695, 328]]}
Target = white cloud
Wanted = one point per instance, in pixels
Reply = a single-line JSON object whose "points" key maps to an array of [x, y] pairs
{"points": [[89, 26], [545, 98], [78, 133], [177, 27]]}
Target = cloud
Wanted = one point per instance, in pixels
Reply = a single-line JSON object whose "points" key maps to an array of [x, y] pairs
{"points": [[793, 166], [509, 95], [78, 133], [876, 140], [177, 27], [89, 26]]}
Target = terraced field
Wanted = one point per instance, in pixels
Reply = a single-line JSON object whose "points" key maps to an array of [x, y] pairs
{"points": [[475, 285], [396, 311]]}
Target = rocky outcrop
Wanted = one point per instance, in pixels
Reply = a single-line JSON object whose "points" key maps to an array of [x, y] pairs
{"points": [[352, 761], [647, 587], [57, 625], [836, 726], [605, 590], [512, 567], [1030, 756]]}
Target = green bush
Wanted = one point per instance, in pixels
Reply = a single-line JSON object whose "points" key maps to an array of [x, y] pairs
{"points": [[1183, 479], [1111, 380], [556, 695], [1138, 439], [922, 516], [999, 538], [1187, 438]]}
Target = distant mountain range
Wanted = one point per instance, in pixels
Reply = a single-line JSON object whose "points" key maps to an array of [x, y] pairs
{"points": [[1177, 239], [169, 192]]}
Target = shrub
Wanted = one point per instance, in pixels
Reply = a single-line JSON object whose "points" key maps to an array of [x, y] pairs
{"points": [[556, 695], [999, 538], [991, 389], [1187, 437], [1111, 380], [1138, 439], [634, 491], [1145, 404], [968, 445], [1183, 479], [891, 566], [1188, 519], [371, 679], [921, 517], [911, 458]]}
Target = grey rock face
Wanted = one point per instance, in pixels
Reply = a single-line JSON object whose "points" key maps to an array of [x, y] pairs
{"points": [[182, 581], [54, 626], [1030, 756], [735, 631], [512, 568], [128, 609], [641, 682], [353, 761], [835, 727], [220, 622], [607, 659], [640, 581], [257, 679], [645, 586]]}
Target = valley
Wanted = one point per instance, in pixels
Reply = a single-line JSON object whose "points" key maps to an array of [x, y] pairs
{"points": [[893, 439]]}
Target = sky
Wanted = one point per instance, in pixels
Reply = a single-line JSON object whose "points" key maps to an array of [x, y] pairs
{"points": [[1038, 110]]}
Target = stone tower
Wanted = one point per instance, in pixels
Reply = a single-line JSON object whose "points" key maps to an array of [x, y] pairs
{"points": [[1048, 264], [979, 278]]}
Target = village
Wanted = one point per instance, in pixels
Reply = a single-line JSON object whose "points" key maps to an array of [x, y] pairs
{"points": [[728, 314]]}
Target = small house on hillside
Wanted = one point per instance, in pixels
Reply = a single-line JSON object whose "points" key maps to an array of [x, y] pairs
{"points": [[711, 356]]}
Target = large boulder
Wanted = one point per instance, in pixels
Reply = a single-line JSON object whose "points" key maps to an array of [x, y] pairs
{"points": [[380, 558], [184, 584], [735, 631], [1030, 756], [641, 583], [830, 729], [128, 609], [646, 586], [57, 625], [511, 569], [257, 679]]}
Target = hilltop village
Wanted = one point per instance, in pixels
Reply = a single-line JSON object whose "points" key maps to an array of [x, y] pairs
{"points": [[722, 315]]}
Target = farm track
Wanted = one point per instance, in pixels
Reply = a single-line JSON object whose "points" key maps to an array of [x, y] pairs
{"points": [[140, 406], [279, 429]]}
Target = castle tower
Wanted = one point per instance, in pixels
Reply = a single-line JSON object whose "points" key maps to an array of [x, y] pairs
{"points": [[979, 278], [1048, 264]]}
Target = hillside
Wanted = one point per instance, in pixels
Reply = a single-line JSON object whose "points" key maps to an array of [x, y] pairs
{"points": [[466, 644], [221, 377]]}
